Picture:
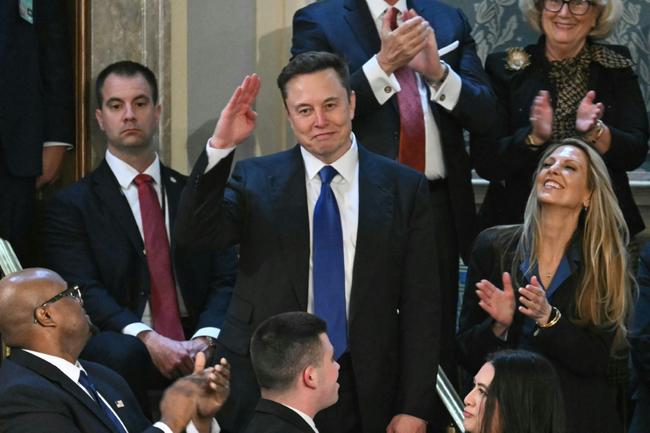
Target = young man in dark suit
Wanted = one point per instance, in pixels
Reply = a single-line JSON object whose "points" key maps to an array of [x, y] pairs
{"points": [[156, 304], [295, 367], [45, 388], [325, 227]]}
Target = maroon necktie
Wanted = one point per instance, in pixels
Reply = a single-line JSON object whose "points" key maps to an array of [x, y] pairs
{"points": [[411, 117], [164, 305]]}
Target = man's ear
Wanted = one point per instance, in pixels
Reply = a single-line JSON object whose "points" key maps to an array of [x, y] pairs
{"points": [[44, 317], [100, 118], [310, 377]]}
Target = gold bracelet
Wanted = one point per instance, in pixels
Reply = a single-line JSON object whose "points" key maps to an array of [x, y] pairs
{"points": [[553, 321], [530, 142], [598, 129]]}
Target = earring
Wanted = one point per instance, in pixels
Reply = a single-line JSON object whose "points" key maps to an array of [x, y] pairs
{"points": [[585, 208]]}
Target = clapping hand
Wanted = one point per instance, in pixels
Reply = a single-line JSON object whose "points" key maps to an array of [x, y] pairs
{"points": [[499, 304], [541, 117], [534, 303], [400, 46], [588, 112]]}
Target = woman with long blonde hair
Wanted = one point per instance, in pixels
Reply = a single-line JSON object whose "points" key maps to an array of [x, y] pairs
{"points": [[558, 284]]}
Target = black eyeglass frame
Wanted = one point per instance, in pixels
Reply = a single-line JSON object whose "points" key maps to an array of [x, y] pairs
{"points": [[568, 3], [74, 292]]}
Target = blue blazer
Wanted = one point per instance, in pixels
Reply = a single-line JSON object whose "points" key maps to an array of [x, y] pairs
{"points": [[347, 28], [639, 336], [91, 238], [37, 396], [264, 208]]}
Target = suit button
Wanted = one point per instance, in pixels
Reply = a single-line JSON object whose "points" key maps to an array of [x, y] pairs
{"points": [[388, 89], [442, 97]]}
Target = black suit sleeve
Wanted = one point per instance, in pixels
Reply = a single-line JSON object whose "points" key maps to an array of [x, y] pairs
{"points": [[68, 250], [419, 312], [211, 210], [219, 292], [627, 120]]}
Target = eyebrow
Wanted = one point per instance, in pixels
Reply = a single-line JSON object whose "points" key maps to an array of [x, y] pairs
{"points": [[116, 99]]}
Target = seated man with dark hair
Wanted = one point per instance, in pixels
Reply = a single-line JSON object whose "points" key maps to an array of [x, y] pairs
{"points": [[45, 388], [295, 367]]}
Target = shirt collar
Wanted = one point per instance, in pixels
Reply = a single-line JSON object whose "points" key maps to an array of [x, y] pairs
{"points": [[125, 173], [304, 416], [345, 165], [378, 7], [72, 371]]}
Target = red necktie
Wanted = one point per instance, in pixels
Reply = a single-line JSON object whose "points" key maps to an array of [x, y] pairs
{"points": [[164, 305], [411, 116]]}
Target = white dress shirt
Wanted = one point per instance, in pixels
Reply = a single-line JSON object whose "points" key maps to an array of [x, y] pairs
{"points": [[345, 186], [125, 175], [385, 86]]}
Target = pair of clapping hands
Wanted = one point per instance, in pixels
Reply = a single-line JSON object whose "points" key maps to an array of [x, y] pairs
{"points": [[500, 304], [196, 397], [541, 116]]}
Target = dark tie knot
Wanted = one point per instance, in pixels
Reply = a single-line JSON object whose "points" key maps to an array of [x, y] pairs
{"points": [[142, 179], [327, 173]]}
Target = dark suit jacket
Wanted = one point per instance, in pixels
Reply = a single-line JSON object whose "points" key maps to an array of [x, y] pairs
{"points": [[503, 158], [37, 396], [36, 91], [346, 27], [579, 354], [264, 208], [272, 417], [639, 337], [91, 239]]}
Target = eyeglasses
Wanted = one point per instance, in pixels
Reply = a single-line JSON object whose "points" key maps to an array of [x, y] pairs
{"points": [[576, 7], [72, 292]]}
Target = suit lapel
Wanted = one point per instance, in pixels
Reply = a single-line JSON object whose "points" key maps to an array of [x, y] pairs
{"points": [[173, 187], [53, 374], [358, 17], [109, 192], [375, 217], [289, 201]]}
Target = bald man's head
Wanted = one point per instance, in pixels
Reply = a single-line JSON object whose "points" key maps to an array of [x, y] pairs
{"points": [[23, 323]]}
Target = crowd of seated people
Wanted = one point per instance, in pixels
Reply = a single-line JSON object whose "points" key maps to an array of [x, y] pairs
{"points": [[316, 289]]}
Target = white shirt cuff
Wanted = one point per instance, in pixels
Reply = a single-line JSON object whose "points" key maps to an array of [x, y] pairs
{"points": [[383, 86], [214, 428], [208, 331], [216, 155], [164, 427], [67, 146], [133, 329], [449, 91]]}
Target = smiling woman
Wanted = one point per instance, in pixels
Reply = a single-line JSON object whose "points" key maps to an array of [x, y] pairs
{"points": [[565, 86], [558, 284]]}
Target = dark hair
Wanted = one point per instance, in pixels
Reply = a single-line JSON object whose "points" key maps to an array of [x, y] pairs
{"points": [[125, 68], [314, 61], [283, 345], [526, 394]]}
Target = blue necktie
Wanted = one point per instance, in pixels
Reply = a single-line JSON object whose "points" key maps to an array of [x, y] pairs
{"points": [[85, 381], [328, 271]]}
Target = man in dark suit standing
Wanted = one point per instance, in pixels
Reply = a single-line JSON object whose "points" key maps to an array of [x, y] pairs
{"points": [[330, 228], [156, 304], [413, 102], [45, 388], [295, 367], [36, 110]]}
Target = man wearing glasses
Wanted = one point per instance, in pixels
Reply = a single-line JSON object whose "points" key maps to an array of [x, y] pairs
{"points": [[45, 388]]}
